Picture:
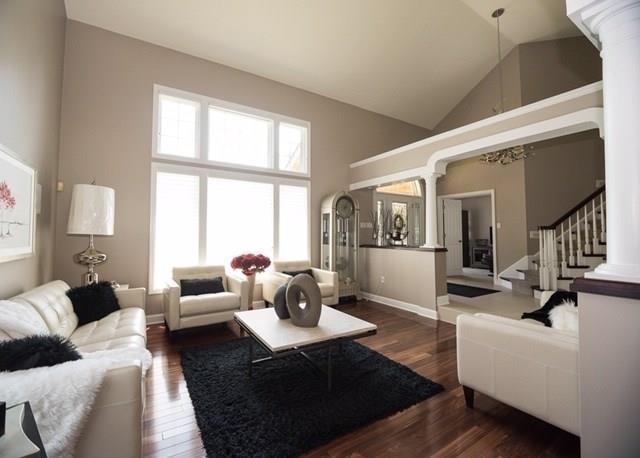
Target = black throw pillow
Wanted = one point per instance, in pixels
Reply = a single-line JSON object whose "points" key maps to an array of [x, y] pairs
{"points": [[293, 273], [36, 351], [197, 286], [93, 302], [557, 298]]}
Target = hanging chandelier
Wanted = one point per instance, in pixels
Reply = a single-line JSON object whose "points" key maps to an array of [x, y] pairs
{"points": [[513, 153]]}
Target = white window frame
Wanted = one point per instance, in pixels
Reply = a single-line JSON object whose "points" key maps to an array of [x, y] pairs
{"points": [[204, 173], [202, 133]]}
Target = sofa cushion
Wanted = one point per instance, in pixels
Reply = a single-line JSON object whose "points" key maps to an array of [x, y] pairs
{"points": [[93, 302], [36, 351], [557, 298], [208, 303], [126, 322], [198, 286], [51, 302], [326, 289], [118, 343]]}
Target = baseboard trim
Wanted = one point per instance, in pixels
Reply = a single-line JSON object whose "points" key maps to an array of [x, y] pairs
{"points": [[406, 306], [504, 283], [442, 300], [156, 318]]}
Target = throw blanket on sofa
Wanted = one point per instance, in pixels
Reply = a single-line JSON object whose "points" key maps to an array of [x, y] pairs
{"points": [[62, 396]]}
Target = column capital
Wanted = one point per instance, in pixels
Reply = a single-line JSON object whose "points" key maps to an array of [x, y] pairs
{"points": [[593, 16]]}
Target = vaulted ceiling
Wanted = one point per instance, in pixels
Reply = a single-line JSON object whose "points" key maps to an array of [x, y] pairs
{"points": [[413, 60]]}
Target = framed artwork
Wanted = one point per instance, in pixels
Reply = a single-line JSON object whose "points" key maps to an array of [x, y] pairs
{"points": [[17, 207]]}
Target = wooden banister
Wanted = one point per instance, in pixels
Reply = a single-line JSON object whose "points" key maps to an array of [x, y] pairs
{"points": [[577, 207]]}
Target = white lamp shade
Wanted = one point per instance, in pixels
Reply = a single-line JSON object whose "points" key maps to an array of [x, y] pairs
{"points": [[92, 210]]}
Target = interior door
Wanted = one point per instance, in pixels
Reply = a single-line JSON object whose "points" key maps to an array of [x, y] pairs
{"points": [[452, 229]]}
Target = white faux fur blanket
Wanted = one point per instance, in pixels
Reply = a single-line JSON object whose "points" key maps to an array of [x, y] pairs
{"points": [[62, 396]]}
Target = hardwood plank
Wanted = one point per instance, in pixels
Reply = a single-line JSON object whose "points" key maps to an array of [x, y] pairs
{"points": [[440, 426]]}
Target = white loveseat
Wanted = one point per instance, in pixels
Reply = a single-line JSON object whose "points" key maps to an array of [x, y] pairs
{"points": [[326, 279], [114, 427], [521, 363]]}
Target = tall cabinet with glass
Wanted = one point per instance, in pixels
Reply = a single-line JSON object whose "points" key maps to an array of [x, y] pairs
{"points": [[340, 221]]}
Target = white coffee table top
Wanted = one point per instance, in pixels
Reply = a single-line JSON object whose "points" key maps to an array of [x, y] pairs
{"points": [[280, 335]]}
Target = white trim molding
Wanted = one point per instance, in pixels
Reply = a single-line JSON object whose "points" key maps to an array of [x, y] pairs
{"points": [[579, 121], [442, 300], [405, 175], [406, 306], [155, 318], [545, 103]]}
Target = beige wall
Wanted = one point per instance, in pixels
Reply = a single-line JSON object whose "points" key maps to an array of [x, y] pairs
{"points": [[561, 173], [31, 56], [536, 191], [508, 182], [479, 209], [481, 101], [410, 276], [106, 135], [552, 67]]}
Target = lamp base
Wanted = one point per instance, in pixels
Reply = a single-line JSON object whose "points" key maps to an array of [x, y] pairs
{"points": [[90, 258]]}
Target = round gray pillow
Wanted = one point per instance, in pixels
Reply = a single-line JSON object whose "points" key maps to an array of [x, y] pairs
{"points": [[304, 285], [280, 302]]}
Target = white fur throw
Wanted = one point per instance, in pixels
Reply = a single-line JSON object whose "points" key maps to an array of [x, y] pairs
{"points": [[62, 396], [18, 320], [565, 316]]}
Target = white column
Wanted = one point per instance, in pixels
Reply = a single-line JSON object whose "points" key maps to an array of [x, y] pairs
{"points": [[615, 26], [431, 211]]}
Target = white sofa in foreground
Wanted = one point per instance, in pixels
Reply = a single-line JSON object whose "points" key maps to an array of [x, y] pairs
{"points": [[525, 365], [114, 427]]}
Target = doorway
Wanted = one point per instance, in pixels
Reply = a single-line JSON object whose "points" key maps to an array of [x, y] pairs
{"points": [[466, 227]]}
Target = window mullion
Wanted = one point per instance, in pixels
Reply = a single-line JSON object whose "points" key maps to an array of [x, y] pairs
{"points": [[202, 254], [275, 145], [276, 221], [204, 130]]}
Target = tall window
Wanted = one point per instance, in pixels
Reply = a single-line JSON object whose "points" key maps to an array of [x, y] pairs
{"points": [[211, 197]]}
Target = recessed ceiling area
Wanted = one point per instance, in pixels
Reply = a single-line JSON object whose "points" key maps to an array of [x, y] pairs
{"points": [[413, 60]]}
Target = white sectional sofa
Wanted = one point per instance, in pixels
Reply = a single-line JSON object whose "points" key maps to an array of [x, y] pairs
{"points": [[114, 427], [521, 363]]}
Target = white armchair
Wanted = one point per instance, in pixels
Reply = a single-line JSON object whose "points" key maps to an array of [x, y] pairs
{"points": [[326, 279], [182, 312], [528, 366]]}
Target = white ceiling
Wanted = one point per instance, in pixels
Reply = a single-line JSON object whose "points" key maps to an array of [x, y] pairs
{"points": [[413, 60]]}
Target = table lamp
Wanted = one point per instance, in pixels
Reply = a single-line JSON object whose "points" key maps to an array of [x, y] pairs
{"points": [[91, 213]]}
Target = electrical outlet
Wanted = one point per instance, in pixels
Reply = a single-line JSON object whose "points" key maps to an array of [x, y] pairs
{"points": [[382, 279], [534, 234]]}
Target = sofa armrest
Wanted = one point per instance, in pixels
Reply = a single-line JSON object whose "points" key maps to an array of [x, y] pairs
{"points": [[171, 304], [271, 281], [532, 368], [240, 286], [116, 413], [132, 297], [328, 276]]}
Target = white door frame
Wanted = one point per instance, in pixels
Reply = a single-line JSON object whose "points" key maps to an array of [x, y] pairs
{"points": [[462, 195]]}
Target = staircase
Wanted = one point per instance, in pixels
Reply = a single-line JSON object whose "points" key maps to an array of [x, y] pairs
{"points": [[572, 245]]}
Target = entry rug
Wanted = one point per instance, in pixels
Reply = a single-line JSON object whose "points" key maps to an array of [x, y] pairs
{"points": [[468, 291], [284, 408]]}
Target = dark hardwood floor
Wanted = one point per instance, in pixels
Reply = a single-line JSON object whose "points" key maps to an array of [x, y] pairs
{"points": [[440, 426]]}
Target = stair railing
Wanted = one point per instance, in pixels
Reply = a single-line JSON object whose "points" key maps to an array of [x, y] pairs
{"points": [[553, 249]]}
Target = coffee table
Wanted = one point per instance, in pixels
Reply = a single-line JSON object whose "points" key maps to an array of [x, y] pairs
{"points": [[280, 338]]}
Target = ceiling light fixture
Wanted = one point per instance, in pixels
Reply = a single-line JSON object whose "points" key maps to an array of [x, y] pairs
{"points": [[513, 153]]}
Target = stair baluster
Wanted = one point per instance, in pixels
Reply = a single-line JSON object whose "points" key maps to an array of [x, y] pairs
{"points": [[587, 245], [563, 266], [542, 271], [553, 271], [603, 231], [578, 259], [595, 225], [572, 259]]}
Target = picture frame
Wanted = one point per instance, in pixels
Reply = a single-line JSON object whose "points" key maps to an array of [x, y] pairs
{"points": [[18, 194]]}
